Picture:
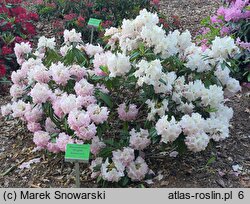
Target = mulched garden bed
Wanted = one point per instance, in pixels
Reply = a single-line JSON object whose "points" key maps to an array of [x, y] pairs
{"points": [[210, 168]]}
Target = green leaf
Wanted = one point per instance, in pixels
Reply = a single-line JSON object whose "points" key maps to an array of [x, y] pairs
{"points": [[211, 160], [154, 136], [124, 181], [106, 152], [106, 98], [97, 168], [211, 110]]}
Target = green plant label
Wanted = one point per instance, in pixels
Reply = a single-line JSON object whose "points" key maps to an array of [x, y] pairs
{"points": [[77, 152], [94, 22]]}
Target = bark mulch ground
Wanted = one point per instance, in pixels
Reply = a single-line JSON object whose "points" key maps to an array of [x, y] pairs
{"points": [[210, 168]]}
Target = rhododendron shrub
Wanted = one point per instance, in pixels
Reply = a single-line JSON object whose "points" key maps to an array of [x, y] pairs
{"points": [[231, 19], [144, 90], [75, 14], [16, 25]]}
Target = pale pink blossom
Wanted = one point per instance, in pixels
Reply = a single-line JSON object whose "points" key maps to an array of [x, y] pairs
{"points": [[91, 50], [110, 172], [72, 36], [98, 114], [86, 133], [62, 140], [52, 147], [57, 107], [19, 109], [40, 93], [39, 73], [127, 113], [102, 88], [197, 142], [33, 114], [19, 77], [21, 50], [84, 88], [78, 119], [96, 145], [41, 139], [6, 109], [68, 103], [51, 127], [125, 157], [137, 169], [101, 60], [77, 71], [17, 91], [60, 73], [85, 101], [94, 164], [139, 140], [34, 127], [30, 63]]}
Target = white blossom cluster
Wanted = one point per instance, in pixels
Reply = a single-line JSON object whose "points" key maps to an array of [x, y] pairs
{"points": [[184, 91]]}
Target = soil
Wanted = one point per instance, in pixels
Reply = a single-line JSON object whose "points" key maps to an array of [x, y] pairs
{"points": [[210, 168], [190, 12]]}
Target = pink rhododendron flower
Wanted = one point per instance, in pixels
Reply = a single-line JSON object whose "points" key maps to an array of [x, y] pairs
{"points": [[91, 50], [51, 127], [20, 51], [127, 113], [102, 88], [40, 93], [40, 74], [110, 173], [94, 164], [97, 114], [137, 169], [41, 139], [19, 77], [139, 140], [101, 60], [96, 145], [78, 119], [72, 36], [197, 141], [77, 71], [6, 110], [16, 91], [125, 157], [68, 103], [52, 147], [34, 127], [62, 140], [86, 133], [19, 109], [85, 101], [33, 114], [57, 108], [84, 88], [60, 73]]}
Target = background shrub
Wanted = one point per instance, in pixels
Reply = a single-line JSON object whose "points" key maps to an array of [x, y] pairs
{"points": [[16, 26], [231, 19]]}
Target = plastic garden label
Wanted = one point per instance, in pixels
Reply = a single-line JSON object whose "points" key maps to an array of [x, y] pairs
{"points": [[94, 22], [77, 152]]}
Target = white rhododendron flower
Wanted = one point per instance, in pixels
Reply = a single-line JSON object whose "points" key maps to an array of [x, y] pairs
{"points": [[72, 36], [44, 42], [169, 130]]}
